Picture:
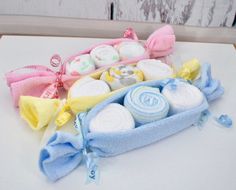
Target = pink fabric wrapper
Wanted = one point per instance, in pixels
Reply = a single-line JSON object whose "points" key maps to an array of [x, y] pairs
{"points": [[35, 79]]}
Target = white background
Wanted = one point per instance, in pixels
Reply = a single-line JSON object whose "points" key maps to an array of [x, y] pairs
{"points": [[190, 160]]}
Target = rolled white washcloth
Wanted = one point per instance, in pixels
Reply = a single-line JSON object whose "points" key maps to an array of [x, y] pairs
{"points": [[155, 69], [114, 117], [129, 50], [182, 97], [80, 65], [88, 86], [104, 55]]}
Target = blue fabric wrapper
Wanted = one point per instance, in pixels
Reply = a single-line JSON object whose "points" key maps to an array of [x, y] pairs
{"points": [[64, 152]]}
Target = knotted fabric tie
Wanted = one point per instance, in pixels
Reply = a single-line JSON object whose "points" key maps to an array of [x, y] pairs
{"points": [[38, 80], [64, 152]]}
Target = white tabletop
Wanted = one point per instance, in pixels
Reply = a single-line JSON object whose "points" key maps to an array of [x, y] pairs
{"points": [[192, 159]]}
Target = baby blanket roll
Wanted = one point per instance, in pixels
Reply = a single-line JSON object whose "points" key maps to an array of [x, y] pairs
{"points": [[146, 104], [63, 146]]}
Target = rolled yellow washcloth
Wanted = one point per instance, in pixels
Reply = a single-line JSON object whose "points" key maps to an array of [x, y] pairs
{"points": [[121, 76]]}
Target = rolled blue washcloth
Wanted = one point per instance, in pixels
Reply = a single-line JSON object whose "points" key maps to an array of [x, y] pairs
{"points": [[146, 104], [114, 117], [182, 96]]}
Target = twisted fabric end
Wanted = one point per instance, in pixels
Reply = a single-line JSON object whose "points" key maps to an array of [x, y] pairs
{"points": [[64, 152], [211, 88], [161, 42]]}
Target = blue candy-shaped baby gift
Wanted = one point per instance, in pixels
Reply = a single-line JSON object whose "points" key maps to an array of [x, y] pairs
{"points": [[64, 151]]}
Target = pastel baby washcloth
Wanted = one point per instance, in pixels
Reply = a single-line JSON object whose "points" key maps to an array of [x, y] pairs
{"points": [[155, 69], [88, 86], [182, 96], [114, 117], [104, 55], [128, 50], [121, 76], [81, 65], [146, 104]]}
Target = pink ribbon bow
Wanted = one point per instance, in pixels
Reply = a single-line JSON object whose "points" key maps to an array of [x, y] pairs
{"points": [[38, 80]]}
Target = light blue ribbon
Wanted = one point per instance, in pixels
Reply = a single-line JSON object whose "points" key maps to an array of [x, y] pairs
{"points": [[91, 158], [223, 120], [171, 83]]}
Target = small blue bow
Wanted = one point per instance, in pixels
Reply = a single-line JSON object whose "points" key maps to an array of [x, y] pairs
{"points": [[64, 152], [211, 88], [172, 83]]}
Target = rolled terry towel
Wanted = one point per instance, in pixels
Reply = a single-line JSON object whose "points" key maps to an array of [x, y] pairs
{"points": [[121, 76], [88, 87], [114, 117], [104, 55], [146, 104], [155, 69], [80, 65], [182, 96], [130, 49]]}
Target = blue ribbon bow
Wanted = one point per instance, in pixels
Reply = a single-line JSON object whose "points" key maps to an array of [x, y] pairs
{"points": [[64, 152]]}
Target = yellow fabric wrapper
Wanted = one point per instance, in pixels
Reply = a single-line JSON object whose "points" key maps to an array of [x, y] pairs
{"points": [[38, 112], [189, 70]]}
